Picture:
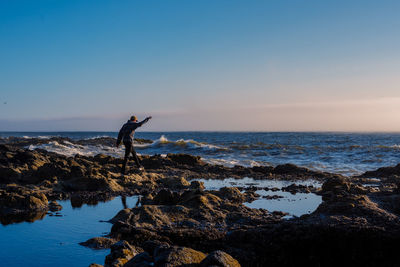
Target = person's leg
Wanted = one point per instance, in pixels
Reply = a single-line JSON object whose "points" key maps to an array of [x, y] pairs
{"points": [[135, 157], [128, 148]]}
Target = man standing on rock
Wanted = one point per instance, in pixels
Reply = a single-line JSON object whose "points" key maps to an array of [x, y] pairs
{"points": [[126, 134]]}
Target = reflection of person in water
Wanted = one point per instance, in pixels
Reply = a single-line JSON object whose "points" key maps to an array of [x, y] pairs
{"points": [[123, 199]]}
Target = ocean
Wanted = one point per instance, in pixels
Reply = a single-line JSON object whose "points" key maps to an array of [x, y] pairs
{"points": [[337, 152]]}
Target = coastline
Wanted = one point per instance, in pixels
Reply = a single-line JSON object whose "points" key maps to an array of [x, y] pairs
{"points": [[176, 210]]}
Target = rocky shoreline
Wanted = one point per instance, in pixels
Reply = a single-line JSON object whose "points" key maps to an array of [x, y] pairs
{"points": [[179, 223]]}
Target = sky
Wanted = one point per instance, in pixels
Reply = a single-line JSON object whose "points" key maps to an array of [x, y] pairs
{"points": [[209, 65]]}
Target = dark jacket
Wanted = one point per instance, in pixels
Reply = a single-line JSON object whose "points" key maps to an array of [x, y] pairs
{"points": [[128, 130]]}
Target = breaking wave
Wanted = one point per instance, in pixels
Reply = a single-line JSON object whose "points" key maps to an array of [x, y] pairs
{"points": [[190, 144], [69, 149]]}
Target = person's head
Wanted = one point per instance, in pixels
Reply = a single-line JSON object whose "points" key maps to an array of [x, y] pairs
{"points": [[133, 118]]}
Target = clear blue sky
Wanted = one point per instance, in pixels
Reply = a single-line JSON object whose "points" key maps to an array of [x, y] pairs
{"points": [[200, 65]]}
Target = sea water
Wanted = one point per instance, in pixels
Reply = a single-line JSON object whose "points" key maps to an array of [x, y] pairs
{"points": [[344, 153], [54, 241]]}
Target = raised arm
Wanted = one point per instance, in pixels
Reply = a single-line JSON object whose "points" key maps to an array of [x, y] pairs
{"points": [[144, 121]]}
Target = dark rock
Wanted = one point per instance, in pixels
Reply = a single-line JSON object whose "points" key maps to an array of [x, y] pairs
{"points": [[54, 206], [197, 185], [185, 159], [98, 243], [219, 258], [121, 253], [178, 256], [140, 260]]}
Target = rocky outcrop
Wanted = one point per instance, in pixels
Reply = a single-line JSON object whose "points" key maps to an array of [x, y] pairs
{"points": [[165, 255], [98, 243], [121, 253], [384, 172], [219, 258]]}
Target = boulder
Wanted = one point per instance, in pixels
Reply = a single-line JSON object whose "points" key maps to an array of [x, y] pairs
{"points": [[231, 193], [197, 185], [185, 159], [178, 256], [140, 260], [54, 206], [219, 258], [175, 183], [98, 243], [121, 253]]}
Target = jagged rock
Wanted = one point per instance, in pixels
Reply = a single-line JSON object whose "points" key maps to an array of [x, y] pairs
{"points": [[175, 183], [121, 253], [54, 206], [231, 193], [197, 185], [178, 256], [166, 197], [98, 243], [140, 260], [219, 258], [185, 159]]}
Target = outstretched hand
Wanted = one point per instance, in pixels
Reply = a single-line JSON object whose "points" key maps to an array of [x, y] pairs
{"points": [[148, 118]]}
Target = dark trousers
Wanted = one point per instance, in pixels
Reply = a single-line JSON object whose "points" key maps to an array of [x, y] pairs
{"points": [[128, 150]]}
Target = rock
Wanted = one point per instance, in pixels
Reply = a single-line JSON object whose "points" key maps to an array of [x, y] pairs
{"points": [[178, 256], [197, 185], [175, 183], [151, 245], [166, 197], [121, 253], [336, 184], [54, 206], [231, 193], [95, 265], [140, 260], [293, 189], [383, 172], [185, 159], [219, 258], [98, 243]]}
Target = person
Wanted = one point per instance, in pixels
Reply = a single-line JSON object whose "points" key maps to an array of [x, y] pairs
{"points": [[126, 135]]}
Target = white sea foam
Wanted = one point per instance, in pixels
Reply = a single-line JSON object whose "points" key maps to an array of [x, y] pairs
{"points": [[69, 149], [190, 143], [233, 162]]}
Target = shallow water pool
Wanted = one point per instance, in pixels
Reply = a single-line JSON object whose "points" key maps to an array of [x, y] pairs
{"points": [[54, 241], [295, 204]]}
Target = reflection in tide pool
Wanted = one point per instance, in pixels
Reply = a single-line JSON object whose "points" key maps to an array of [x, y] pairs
{"points": [[294, 204], [54, 241]]}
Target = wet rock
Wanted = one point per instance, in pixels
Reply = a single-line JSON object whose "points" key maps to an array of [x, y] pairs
{"points": [[185, 159], [175, 183], [272, 197], [383, 172], [290, 169], [219, 258], [121, 253], [197, 185], [54, 206], [151, 245], [15, 200], [231, 193], [293, 189], [140, 260], [336, 185], [166, 197], [98, 243], [178, 256]]}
